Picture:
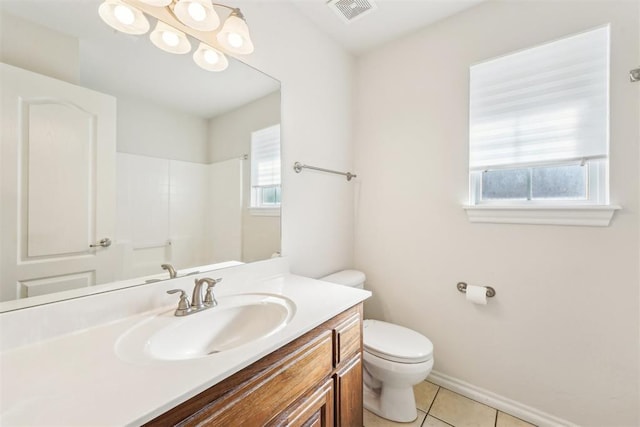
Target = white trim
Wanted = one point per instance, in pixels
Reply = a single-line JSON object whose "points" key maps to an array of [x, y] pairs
{"points": [[511, 407], [591, 216], [264, 211]]}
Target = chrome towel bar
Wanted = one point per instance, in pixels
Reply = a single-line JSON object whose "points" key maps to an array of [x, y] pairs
{"points": [[297, 166], [462, 287]]}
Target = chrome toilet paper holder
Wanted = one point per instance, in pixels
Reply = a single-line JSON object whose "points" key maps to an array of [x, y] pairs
{"points": [[462, 287]]}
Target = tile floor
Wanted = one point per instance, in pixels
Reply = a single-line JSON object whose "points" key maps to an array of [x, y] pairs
{"points": [[439, 407]]}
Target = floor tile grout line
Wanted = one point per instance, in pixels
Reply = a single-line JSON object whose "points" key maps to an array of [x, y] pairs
{"points": [[433, 416], [434, 398], [495, 424], [428, 411], [424, 420], [477, 401]]}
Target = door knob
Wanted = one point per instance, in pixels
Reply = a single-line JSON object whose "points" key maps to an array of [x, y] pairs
{"points": [[105, 243]]}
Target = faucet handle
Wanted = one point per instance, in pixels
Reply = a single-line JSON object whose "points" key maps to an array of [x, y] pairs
{"points": [[209, 298], [183, 305]]}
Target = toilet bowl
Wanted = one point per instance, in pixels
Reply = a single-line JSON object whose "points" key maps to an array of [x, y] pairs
{"points": [[395, 359]]}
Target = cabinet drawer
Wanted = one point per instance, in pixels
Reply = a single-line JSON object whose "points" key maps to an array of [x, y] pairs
{"points": [[347, 338], [262, 398]]}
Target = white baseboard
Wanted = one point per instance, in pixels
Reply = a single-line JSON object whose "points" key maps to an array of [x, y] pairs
{"points": [[501, 403]]}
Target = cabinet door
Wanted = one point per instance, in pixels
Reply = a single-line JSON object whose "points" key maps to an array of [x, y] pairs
{"points": [[349, 393], [315, 409], [347, 338]]}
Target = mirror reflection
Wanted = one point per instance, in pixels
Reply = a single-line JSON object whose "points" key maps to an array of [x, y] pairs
{"points": [[118, 158]]}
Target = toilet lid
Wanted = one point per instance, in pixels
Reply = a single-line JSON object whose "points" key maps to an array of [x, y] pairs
{"points": [[396, 343]]}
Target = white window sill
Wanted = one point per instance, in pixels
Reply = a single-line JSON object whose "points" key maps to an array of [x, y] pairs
{"points": [[592, 216], [264, 211]]}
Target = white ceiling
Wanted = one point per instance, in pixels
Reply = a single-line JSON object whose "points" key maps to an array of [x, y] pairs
{"points": [[391, 20]]}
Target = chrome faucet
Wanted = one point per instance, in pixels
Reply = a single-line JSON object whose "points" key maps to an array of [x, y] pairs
{"points": [[196, 299], [172, 271], [197, 303]]}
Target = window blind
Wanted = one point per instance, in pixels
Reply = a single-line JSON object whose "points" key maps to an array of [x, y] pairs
{"points": [[544, 105], [265, 157]]}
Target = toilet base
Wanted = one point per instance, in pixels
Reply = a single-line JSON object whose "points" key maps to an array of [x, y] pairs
{"points": [[395, 404]]}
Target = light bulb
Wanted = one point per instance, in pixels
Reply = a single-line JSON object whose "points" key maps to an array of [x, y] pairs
{"points": [[197, 11], [196, 14], [124, 14], [211, 57], [234, 34], [171, 39], [123, 17], [235, 40]]}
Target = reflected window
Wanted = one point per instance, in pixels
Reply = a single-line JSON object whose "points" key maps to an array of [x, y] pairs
{"points": [[265, 168]]}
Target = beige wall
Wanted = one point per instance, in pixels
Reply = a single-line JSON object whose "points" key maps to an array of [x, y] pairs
{"points": [[562, 334], [230, 137], [148, 129], [316, 76], [230, 133], [39, 49]]}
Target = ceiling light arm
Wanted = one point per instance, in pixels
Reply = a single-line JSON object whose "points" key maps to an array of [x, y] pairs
{"points": [[234, 10]]}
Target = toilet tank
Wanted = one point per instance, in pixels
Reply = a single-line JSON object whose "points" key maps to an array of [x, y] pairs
{"points": [[352, 278]]}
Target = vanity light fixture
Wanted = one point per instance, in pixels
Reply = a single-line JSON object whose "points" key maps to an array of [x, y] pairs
{"points": [[169, 39], [158, 3], [234, 35], [123, 17], [178, 19], [210, 59], [197, 14]]}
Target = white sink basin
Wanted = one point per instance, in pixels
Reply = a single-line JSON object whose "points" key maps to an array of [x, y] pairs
{"points": [[236, 320]]}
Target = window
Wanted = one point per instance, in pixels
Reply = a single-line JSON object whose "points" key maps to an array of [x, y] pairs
{"points": [[265, 171], [539, 125]]}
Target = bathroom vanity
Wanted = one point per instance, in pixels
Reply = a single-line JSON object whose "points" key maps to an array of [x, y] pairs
{"points": [[316, 380], [100, 359]]}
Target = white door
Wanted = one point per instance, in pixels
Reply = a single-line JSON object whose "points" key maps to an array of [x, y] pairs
{"points": [[57, 182]]}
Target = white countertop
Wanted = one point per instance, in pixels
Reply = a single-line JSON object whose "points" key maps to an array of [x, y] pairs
{"points": [[77, 379]]}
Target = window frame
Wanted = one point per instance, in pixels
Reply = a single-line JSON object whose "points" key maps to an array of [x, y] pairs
{"points": [[596, 183], [595, 210], [256, 205]]}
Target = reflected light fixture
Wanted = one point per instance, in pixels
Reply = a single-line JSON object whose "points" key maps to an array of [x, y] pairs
{"points": [[123, 17], [210, 58], [169, 39], [179, 19], [234, 35], [197, 14]]}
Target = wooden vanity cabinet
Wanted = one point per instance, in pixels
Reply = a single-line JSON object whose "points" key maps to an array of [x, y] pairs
{"points": [[316, 380]]}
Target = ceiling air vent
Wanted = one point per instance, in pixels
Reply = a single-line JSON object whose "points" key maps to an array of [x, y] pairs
{"points": [[351, 10]]}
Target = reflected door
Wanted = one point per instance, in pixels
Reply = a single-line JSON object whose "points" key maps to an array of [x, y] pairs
{"points": [[58, 185]]}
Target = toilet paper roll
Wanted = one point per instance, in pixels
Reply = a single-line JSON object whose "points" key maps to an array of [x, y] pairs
{"points": [[477, 294]]}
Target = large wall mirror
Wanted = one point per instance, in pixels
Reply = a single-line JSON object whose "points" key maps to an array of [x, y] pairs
{"points": [[118, 157]]}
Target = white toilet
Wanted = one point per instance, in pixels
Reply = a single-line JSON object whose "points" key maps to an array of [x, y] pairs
{"points": [[395, 359]]}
